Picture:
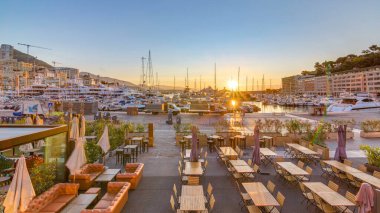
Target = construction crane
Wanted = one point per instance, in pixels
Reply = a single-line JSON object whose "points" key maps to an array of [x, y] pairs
{"points": [[29, 45]]}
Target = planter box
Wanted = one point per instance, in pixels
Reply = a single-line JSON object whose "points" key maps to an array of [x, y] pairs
{"points": [[280, 140], [334, 135], [270, 134], [371, 168], [325, 150], [369, 134]]}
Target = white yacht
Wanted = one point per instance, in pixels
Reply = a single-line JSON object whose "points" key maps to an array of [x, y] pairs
{"points": [[359, 102]]}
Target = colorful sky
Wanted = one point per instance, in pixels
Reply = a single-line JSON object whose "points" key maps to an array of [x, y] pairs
{"points": [[275, 38]]}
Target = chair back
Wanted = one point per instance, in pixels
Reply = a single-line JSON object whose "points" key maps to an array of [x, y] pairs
{"points": [[209, 189], [249, 162], [376, 174], [256, 168], [280, 199], [271, 186], [175, 191], [279, 159], [309, 170], [350, 197], [212, 203], [193, 180], [300, 164], [347, 162], [172, 203], [362, 168], [302, 187], [333, 186]]}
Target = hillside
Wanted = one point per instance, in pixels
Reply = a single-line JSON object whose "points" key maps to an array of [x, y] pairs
{"points": [[23, 57], [108, 79]]}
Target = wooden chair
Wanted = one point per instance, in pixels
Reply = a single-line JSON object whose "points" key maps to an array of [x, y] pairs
{"points": [[278, 169], [271, 186], [241, 154], [327, 208], [338, 174], [318, 201], [172, 204], [350, 197], [308, 196], [300, 164], [326, 170], [347, 162], [177, 198], [245, 198], [256, 168], [279, 159], [193, 180], [362, 168], [212, 204], [182, 177], [376, 174], [253, 209], [333, 186], [249, 162], [309, 171], [281, 200], [209, 191], [352, 181]]}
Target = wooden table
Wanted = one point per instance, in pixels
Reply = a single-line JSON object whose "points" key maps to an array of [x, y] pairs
{"points": [[374, 181], [139, 140], [192, 198], [79, 203], [328, 195], [342, 167], [259, 194], [302, 149], [193, 169], [214, 136], [229, 152], [292, 168], [267, 152], [192, 190], [108, 175], [134, 150], [192, 203], [238, 163]]}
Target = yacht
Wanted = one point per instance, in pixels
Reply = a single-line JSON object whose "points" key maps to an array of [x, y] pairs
{"points": [[358, 102]]}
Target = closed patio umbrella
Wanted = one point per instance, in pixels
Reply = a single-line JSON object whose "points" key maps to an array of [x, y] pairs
{"points": [[77, 158], [256, 150], [104, 141], [21, 190], [74, 131], [365, 198], [194, 145], [82, 131], [26, 147], [340, 152]]}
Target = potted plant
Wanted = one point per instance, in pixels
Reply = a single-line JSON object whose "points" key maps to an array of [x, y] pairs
{"points": [[93, 151], [370, 129], [317, 136], [373, 157], [43, 176], [332, 128]]}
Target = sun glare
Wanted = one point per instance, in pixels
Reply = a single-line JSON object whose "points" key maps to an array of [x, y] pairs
{"points": [[232, 85]]}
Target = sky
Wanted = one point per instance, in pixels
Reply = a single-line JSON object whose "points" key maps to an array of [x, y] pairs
{"points": [[274, 38]]}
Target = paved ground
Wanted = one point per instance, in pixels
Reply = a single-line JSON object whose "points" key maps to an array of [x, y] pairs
{"points": [[160, 172]]}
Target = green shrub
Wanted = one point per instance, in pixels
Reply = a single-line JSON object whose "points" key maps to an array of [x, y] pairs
{"points": [[316, 135], [293, 126], [93, 151], [373, 154], [370, 126], [140, 128], [43, 177]]}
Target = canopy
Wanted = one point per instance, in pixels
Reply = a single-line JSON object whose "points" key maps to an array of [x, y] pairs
{"points": [[21, 190], [340, 152], [194, 145], [74, 131], [104, 141], [256, 150], [77, 158], [82, 131]]}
